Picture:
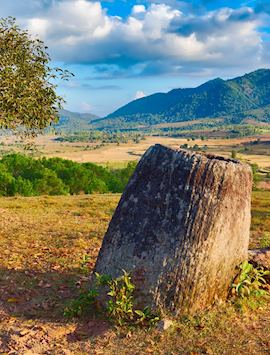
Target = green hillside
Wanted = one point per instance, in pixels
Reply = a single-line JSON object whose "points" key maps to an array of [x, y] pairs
{"points": [[74, 121], [234, 99]]}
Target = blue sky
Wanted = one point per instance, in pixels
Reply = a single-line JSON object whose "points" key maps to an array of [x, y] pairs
{"points": [[122, 50]]}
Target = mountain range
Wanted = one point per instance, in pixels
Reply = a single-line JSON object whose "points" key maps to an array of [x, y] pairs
{"points": [[243, 97]]}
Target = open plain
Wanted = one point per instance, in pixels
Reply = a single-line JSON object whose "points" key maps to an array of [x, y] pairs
{"points": [[253, 149]]}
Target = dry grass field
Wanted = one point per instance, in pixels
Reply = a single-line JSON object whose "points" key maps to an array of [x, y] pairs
{"points": [[112, 153], [42, 244], [44, 240]]}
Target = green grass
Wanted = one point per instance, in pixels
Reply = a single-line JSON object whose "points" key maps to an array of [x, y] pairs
{"points": [[114, 164], [260, 222]]}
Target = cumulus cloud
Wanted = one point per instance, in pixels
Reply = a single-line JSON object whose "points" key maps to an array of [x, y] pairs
{"points": [[158, 38], [139, 95], [138, 9]]}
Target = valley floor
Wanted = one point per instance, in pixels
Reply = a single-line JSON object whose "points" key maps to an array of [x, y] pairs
{"points": [[119, 154], [43, 241]]}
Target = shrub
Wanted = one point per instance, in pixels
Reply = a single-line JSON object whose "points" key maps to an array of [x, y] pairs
{"points": [[50, 184], [24, 187], [7, 183], [23, 175]]}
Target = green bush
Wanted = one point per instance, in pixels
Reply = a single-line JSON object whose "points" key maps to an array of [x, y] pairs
{"points": [[24, 187], [50, 184], [23, 175], [7, 183]]}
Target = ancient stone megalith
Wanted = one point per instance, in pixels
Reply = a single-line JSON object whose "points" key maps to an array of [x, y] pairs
{"points": [[181, 228]]}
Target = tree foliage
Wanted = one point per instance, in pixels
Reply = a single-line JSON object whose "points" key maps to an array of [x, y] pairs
{"points": [[28, 99], [23, 175]]}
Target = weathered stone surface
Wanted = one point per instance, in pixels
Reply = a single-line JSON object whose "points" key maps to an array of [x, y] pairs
{"points": [[260, 258], [181, 228]]}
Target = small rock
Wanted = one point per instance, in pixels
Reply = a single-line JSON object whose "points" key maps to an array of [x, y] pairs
{"points": [[260, 258], [24, 332], [164, 324]]}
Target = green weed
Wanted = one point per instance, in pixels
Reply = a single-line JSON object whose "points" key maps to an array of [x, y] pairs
{"points": [[81, 305], [250, 281], [265, 240], [120, 306], [84, 264]]}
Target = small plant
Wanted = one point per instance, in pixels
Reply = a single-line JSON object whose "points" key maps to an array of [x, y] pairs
{"points": [[146, 317], [84, 265], [102, 280], [81, 305], [265, 241], [233, 154], [120, 306], [250, 281], [256, 176]]}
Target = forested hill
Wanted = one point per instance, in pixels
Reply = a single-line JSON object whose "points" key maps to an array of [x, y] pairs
{"points": [[74, 121], [216, 98]]}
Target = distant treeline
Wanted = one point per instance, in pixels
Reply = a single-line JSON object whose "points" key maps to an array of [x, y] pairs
{"points": [[103, 137], [23, 175]]}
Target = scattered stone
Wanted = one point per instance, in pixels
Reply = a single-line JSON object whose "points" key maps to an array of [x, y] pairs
{"points": [[260, 258], [181, 228], [164, 324]]}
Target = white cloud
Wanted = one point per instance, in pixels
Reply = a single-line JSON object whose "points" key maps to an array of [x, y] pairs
{"points": [[139, 95], [138, 9], [71, 22], [81, 31], [85, 107], [38, 26]]}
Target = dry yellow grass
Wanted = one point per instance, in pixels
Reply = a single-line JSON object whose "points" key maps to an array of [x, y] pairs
{"points": [[113, 153], [42, 242]]}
